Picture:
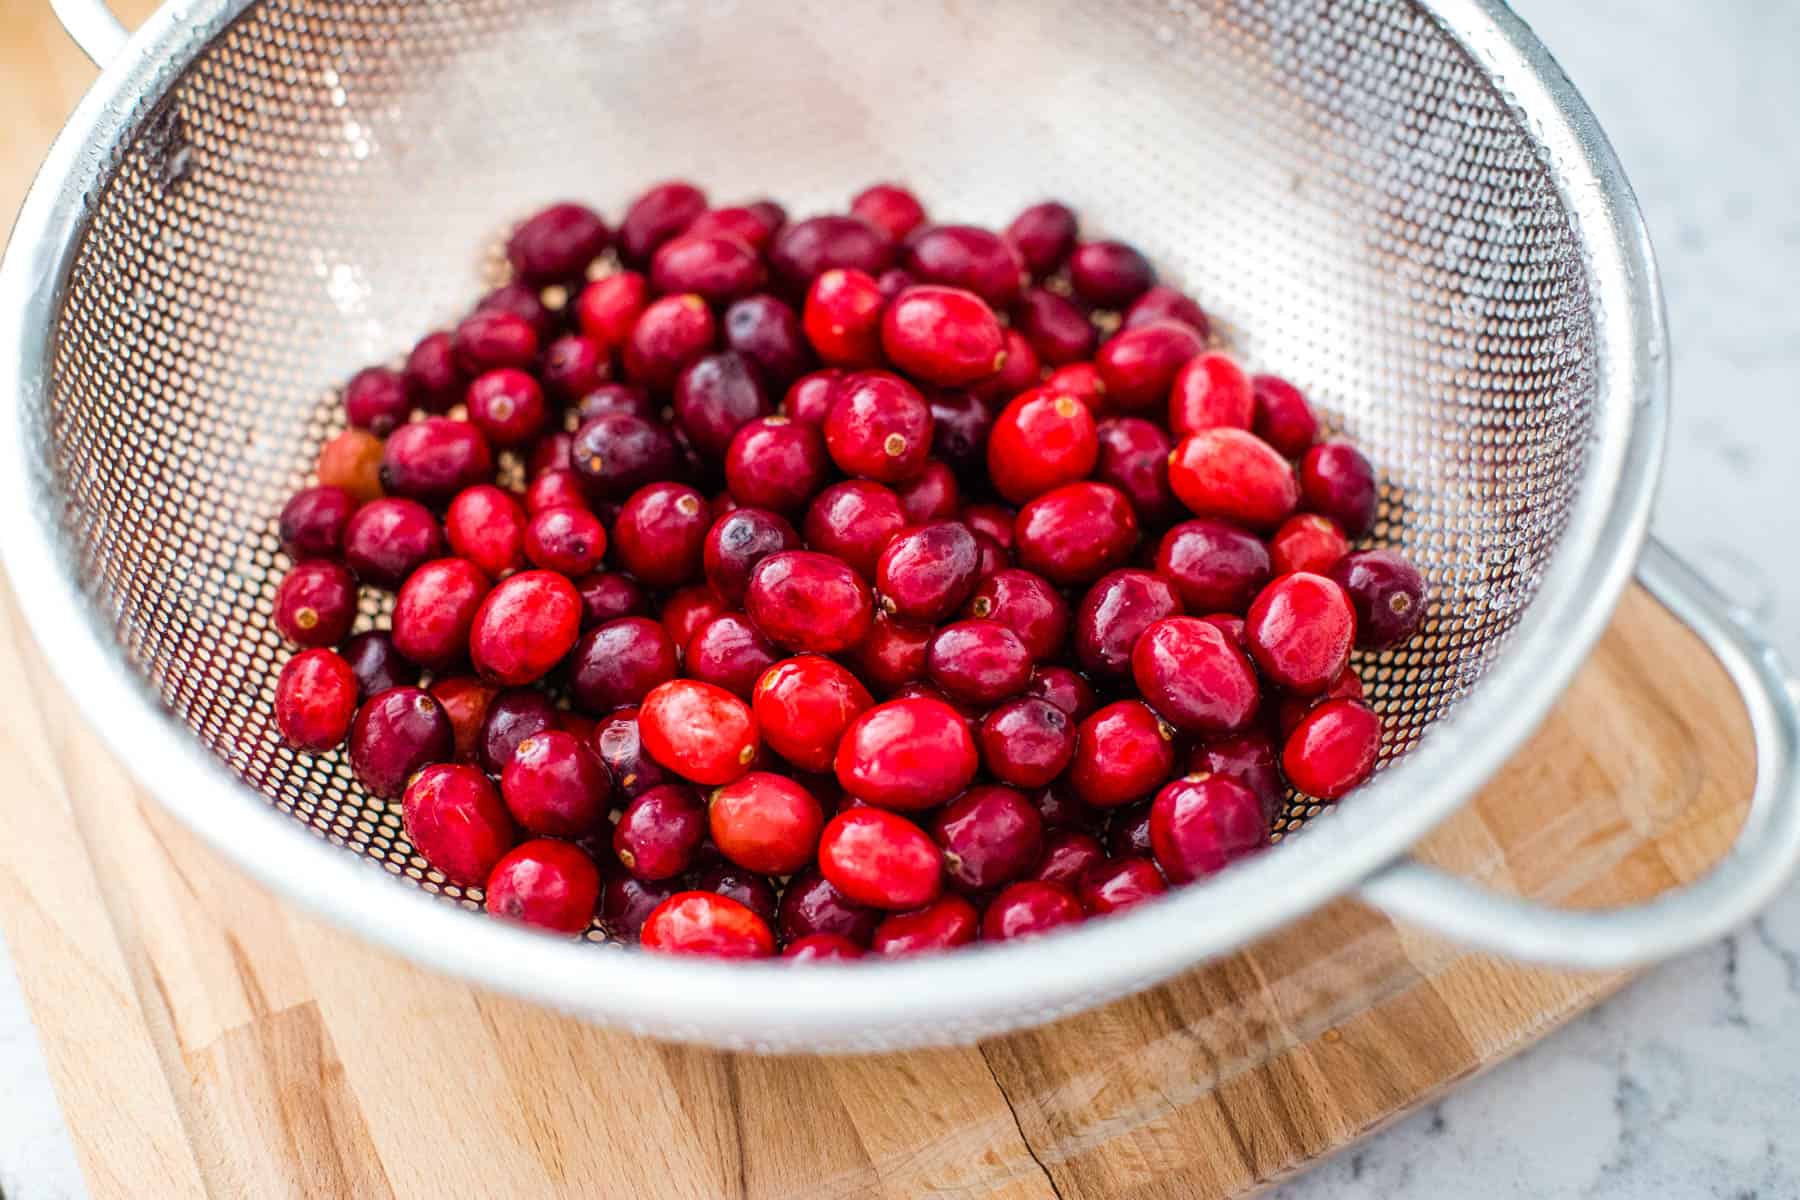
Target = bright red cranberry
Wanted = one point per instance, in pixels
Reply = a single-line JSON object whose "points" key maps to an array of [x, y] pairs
{"points": [[557, 244], [1306, 542], [990, 836], [616, 741], [943, 335], [803, 705], [433, 379], [313, 522], [1283, 417], [494, 338], [854, 521], [607, 596], [1068, 854], [615, 454], [573, 366], [979, 662], [729, 652], [880, 859], [376, 399], [1114, 614], [807, 249], [466, 701], [889, 208], [1162, 303], [433, 459], [767, 332], [1195, 676], [454, 818], [926, 574], [933, 496], [808, 401], [821, 947], [809, 601], [1235, 475], [777, 464], [387, 539], [1019, 370], [1139, 366], [1388, 594], [963, 256], [748, 225], [316, 603], [627, 398], [626, 902], [1057, 329], [555, 785], [1027, 604], [1029, 908], [1063, 688], [512, 715], [545, 883], [716, 267], [1336, 481], [393, 735], [688, 608], [619, 663], [812, 904], [566, 539], [1333, 749], [1109, 274], [1214, 566], [1134, 457], [1082, 381], [994, 520], [1043, 234], [1201, 824], [766, 823], [714, 397], [1118, 885], [879, 427], [487, 527], [893, 654], [709, 924], [435, 611], [1041, 441], [608, 308], [521, 300], [315, 699], [660, 535], [842, 318], [524, 627], [944, 924], [907, 754], [663, 212], [661, 831], [1122, 752], [672, 332], [1077, 533], [1211, 392], [1128, 833], [700, 732], [737, 542], [1301, 628]]}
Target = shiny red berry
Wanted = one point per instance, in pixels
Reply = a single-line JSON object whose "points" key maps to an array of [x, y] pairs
{"points": [[435, 611], [1019, 370], [1068, 853], [1109, 274], [737, 542], [1388, 594], [1233, 475], [978, 662], [803, 705], [809, 601], [486, 526], [507, 406], [1063, 688], [566, 539], [1301, 628], [433, 379], [1162, 303], [616, 740], [854, 521], [880, 859], [433, 459], [1201, 824], [1122, 753], [890, 208], [709, 924], [1250, 759], [618, 663], [1114, 614], [376, 399], [715, 396], [879, 427], [893, 654], [1076, 533], [1059, 332], [766, 822], [729, 652], [1043, 234], [907, 754], [806, 249], [1029, 908], [964, 256], [717, 267], [660, 534], [1283, 417], [557, 244], [549, 884], [488, 339], [944, 924], [315, 699], [1134, 457], [1336, 481], [313, 522], [555, 785], [387, 539], [1115, 886], [842, 318], [1307, 542], [1215, 566], [608, 308], [1041, 441], [699, 731], [660, 833], [926, 574], [812, 904], [776, 463], [688, 608], [663, 212], [315, 603], [1026, 603], [454, 818], [821, 947], [767, 333], [1195, 676], [808, 400], [943, 335], [1211, 392], [670, 334], [616, 453], [989, 836], [626, 902], [1139, 366], [1333, 749], [524, 627], [465, 700]]}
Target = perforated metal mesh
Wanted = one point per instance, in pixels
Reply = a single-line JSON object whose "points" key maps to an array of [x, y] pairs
{"points": [[1332, 178]]}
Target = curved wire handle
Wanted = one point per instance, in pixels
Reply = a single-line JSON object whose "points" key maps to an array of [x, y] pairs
{"points": [[92, 25]]}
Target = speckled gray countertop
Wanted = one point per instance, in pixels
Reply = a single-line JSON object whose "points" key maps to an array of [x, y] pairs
{"points": [[1688, 1083]]}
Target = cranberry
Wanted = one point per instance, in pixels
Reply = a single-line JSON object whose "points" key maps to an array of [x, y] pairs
{"points": [[806, 249], [617, 743], [821, 947], [704, 923], [661, 831], [663, 212], [1118, 885], [607, 596], [812, 904], [808, 401], [524, 627], [1333, 749], [1388, 594], [809, 601], [943, 335], [1128, 833], [315, 603], [465, 700], [1057, 329], [1201, 824], [433, 459], [1109, 274], [487, 527], [1235, 475], [963, 256], [990, 836], [376, 399], [557, 244], [315, 699], [889, 208], [1063, 688], [1213, 565], [1019, 370], [1211, 392], [907, 754], [1027, 604], [730, 652], [723, 878], [716, 267], [688, 608], [1301, 628], [1068, 854], [565, 539], [777, 464], [1306, 542], [1041, 441], [1027, 742], [879, 427], [1248, 758], [927, 573], [395, 733], [979, 662], [1134, 457], [512, 716], [854, 521], [699, 731], [660, 534], [627, 398], [1076, 533], [1122, 752], [545, 883], [1283, 418], [933, 496], [893, 281], [558, 488], [520, 300], [387, 539], [672, 332], [992, 520], [377, 665], [555, 785], [608, 309], [894, 652], [615, 454], [881, 859], [1139, 366], [1293, 709], [842, 318], [1082, 381], [487, 339], [1195, 676], [1162, 303], [737, 542], [574, 365], [1115, 613], [352, 461], [313, 521], [1043, 235], [433, 379], [714, 397], [619, 663], [766, 823], [626, 902], [803, 706], [435, 610], [1029, 908], [944, 924], [454, 819], [748, 225], [768, 334], [1336, 481]]}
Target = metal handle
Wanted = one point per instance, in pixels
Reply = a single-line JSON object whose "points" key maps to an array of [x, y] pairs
{"points": [[1760, 862], [91, 23]]}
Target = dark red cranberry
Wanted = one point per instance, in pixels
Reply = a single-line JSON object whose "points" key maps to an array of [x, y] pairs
{"points": [[733, 882], [1388, 594], [524, 627], [377, 665], [315, 603], [765, 823], [730, 652], [1283, 417], [1211, 392], [1027, 909], [388, 538], [893, 654], [738, 541], [1060, 808], [454, 819], [1216, 567], [616, 454], [1082, 381], [395, 733], [315, 699], [812, 904], [545, 883], [522, 301], [660, 534], [992, 520], [1162, 303], [1027, 742], [607, 596], [1134, 457], [964, 256], [808, 401], [773, 215], [1249, 758], [893, 281], [433, 379], [433, 459], [701, 732], [632, 769], [565, 539], [376, 399], [881, 859], [661, 213], [803, 705], [626, 902], [943, 335], [854, 520], [907, 754], [809, 601], [1063, 688], [990, 836], [627, 398], [487, 340], [879, 427], [1122, 752], [944, 924], [661, 831], [435, 610], [807, 249], [1336, 481], [1195, 676], [688, 608], [933, 496], [619, 663], [1114, 614], [749, 226], [978, 662], [513, 715], [1043, 235], [1118, 885], [1202, 824], [1076, 533], [574, 365], [842, 318], [1109, 274], [1019, 371], [1139, 366], [776, 463], [672, 332], [1027, 604], [487, 527], [926, 574], [1067, 856], [313, 522], [608, 308], [1128, 833], [557, 244], [1301, 628], [1041, 441], [555, 785], [1057, 329], [1235, 475], [709, 924], [714, 397], [716, 267], [466, 701], [768, 334], [889, 208]]}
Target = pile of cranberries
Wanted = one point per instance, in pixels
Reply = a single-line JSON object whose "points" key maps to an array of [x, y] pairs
{"points": [[874, 584]]}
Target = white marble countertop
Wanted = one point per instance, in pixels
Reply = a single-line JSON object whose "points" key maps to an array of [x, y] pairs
{"points": [[1688, 1083]]}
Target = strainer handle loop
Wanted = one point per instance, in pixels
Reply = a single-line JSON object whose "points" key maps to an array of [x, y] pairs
{"points": [[94, 27], [1760, 862]]}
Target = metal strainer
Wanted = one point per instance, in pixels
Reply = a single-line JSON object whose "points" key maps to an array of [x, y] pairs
{"points": [[1402, 206]]}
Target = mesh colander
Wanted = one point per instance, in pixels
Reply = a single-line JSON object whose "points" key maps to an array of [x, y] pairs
{"points": [[1402, 206]]}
